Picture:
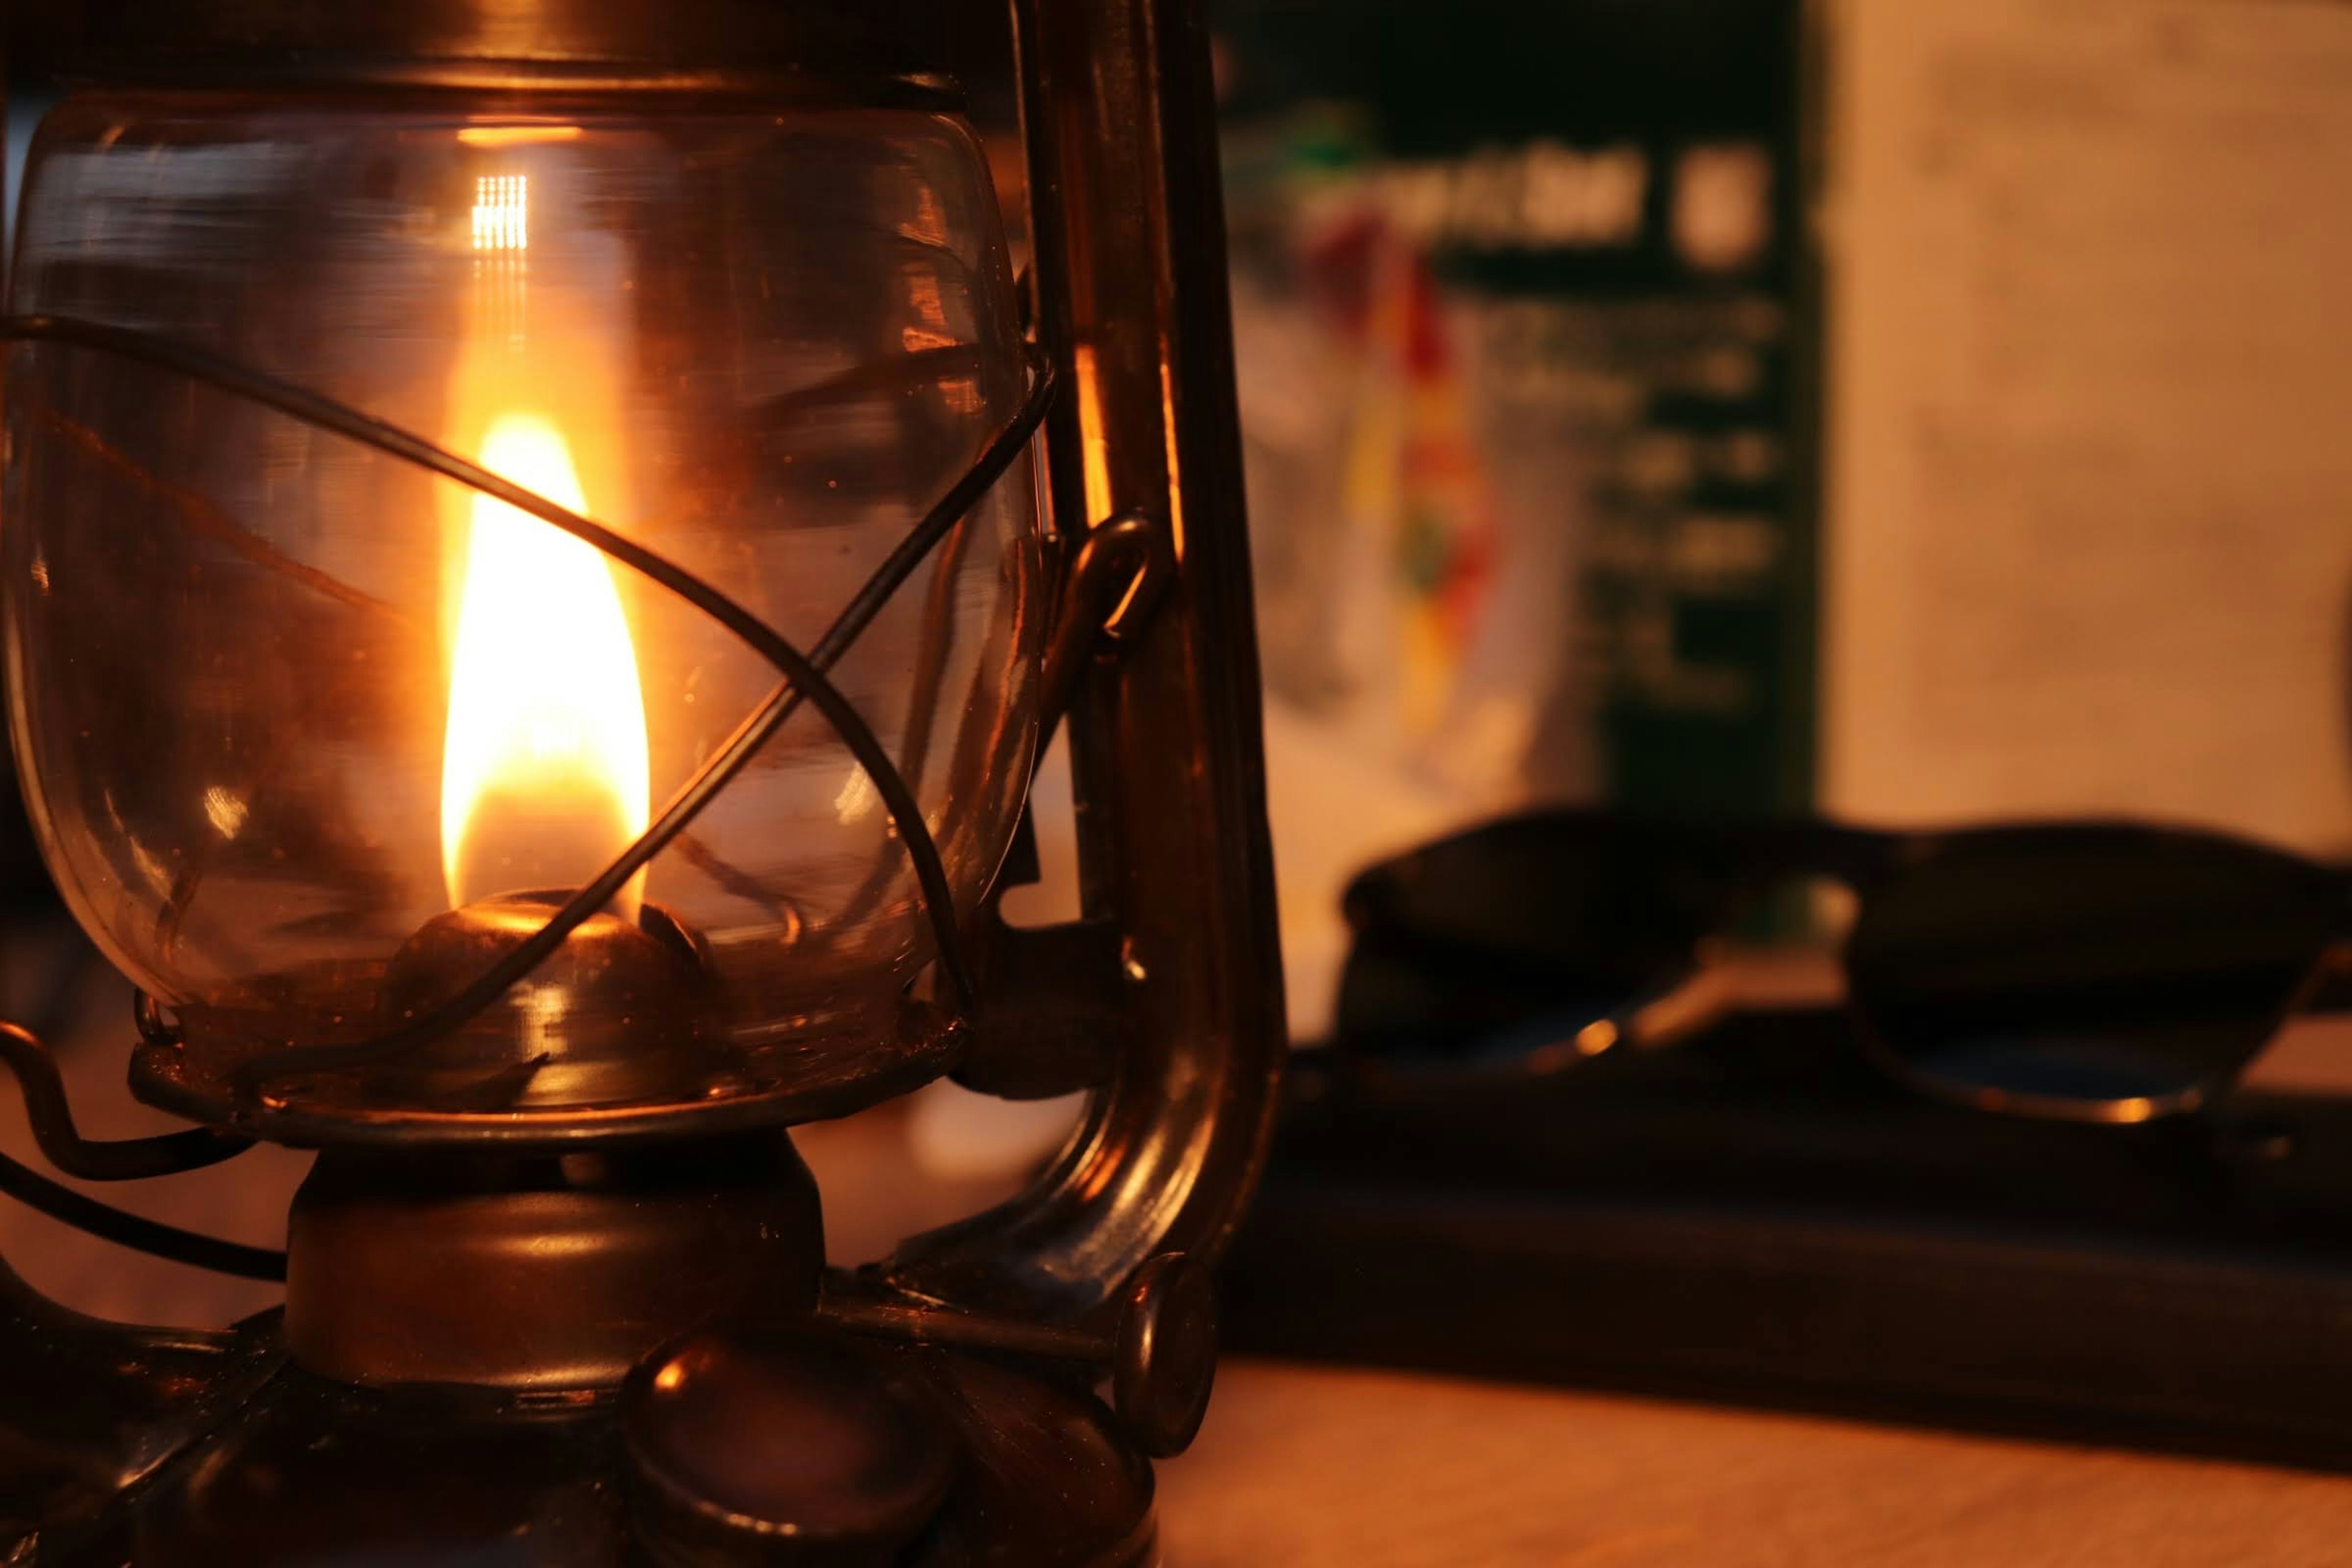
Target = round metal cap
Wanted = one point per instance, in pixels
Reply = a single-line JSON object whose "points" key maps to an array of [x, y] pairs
{"points": [[800, 1450]]}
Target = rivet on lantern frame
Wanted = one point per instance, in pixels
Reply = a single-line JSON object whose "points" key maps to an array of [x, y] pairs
{"points": [[1116, 575]]}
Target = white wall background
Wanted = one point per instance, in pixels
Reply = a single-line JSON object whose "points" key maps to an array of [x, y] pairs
{"points": [[2089, 539]]}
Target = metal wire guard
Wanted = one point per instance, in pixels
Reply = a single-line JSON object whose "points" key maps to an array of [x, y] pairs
{"points": [[803, 675]]}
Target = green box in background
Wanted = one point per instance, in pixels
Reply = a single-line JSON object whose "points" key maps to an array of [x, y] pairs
{"points": [[1526, 345]]}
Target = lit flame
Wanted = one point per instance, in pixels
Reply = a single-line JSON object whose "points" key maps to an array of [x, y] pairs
{"points": [[544, 776]]}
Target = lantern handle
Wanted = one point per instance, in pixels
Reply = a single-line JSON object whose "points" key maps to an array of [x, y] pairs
{"points": [[1175, 863]]}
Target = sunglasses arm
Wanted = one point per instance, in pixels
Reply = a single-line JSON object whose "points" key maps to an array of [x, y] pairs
{"points": [[1718, 984]]}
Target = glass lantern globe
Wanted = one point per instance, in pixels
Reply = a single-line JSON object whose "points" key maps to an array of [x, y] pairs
{"points": [[281, 702]]}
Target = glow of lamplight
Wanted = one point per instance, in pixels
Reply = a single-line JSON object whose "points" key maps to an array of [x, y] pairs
{"points": [[516, 136], [544, 774]]}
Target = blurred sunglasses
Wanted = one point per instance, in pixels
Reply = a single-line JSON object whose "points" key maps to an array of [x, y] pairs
{"points": [[2093, 970]]}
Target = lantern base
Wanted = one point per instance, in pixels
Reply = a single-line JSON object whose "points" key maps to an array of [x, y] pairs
{"points": [[995, 1466], [547, 1273], [603, 1360]]}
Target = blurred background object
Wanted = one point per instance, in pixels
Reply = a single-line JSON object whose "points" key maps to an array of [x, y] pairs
{"points": [[2090, 525], [1524, 339], [1919, 410]]}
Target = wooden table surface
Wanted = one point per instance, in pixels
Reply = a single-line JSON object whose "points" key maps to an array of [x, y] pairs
{"points": [[1325, 1467]]}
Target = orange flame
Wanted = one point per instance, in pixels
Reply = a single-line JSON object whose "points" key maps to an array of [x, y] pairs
{"points": [[544, 774]]}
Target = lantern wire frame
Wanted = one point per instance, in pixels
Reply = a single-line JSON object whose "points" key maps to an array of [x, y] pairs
{"points": [[804, 678]]}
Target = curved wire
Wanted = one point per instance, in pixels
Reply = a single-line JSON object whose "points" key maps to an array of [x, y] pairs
{"points": [[114, 1159], [314, 409], [137, 1231], [804, 677], [1120, 571], [715, 772]]}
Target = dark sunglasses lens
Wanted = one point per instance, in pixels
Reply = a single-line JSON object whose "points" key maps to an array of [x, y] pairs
{"points": [[2087, 968]]}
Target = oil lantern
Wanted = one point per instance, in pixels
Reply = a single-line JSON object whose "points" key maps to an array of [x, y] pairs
{"points": [[542, 546]]}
